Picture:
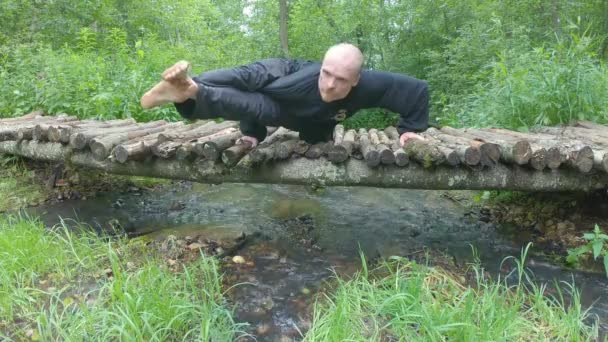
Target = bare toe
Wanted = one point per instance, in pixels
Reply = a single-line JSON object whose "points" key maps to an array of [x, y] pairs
{"points": [[179, 70]]}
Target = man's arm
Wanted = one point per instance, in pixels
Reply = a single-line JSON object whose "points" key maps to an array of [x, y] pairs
{"points": [[405, 95]]}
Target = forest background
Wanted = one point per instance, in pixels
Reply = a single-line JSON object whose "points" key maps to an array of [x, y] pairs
{"points": [[504, 63]]}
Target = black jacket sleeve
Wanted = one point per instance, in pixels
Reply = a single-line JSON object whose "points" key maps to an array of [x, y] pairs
{"points": [[405, 95]]}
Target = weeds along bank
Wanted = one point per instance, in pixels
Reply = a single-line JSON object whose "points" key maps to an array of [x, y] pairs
{"points": [[57, 284]]}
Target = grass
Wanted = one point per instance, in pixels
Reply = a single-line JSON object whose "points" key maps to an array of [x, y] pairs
{"points": [[17, 185], [406, 301], [22, 185], [57, 285]]}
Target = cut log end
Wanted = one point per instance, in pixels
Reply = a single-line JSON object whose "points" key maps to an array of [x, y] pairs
{"points": [[521, 152], [583, 159], [99, 150], [472, 156], [121, 154], [337, 154]]}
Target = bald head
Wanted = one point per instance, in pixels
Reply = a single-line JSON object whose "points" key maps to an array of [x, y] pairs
{"points": [[340, 71], [349, 55]]}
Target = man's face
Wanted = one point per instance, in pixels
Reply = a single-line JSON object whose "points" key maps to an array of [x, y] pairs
{"points": [[336, 79]]}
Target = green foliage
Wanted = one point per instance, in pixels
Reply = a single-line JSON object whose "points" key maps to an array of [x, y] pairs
{"points": [[371, 119], [503, 63], [597, 245], [18, 185], [50, 285], [500, 196], [403, 300], [544, 86]]}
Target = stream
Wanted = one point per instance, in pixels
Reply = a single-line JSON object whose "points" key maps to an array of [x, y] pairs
{"points": [[300, 238]]}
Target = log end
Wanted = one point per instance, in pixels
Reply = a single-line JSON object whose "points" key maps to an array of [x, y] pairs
{"points": [[99, 150], [372, 158], [401, 158], [521, 152], [538, 161], [121, 154], [337, 154], [472, 156], [387, 157], [584, 159]]}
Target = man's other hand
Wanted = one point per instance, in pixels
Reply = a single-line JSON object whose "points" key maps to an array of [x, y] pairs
{"points": [[407, 136], [248, 140]]}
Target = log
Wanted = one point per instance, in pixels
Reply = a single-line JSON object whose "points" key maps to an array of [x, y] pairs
{"points": [[139, 148], [286, 148], [468, 153], [24, 133], [33, 115], [40, 130], [338, 134], [101, 147], [267, 150], [370, 154], [10, 131], [315, 151], [582, 159], [303, 171], [185, 152], [592, 125], [136, 150], [489, 152], [401, 157], [340, 151], [426, 154], [600, 161], [513, 149], [62, 133], [574, 153], [82, 139], [261, 154], [197, 131], [450, 155], [386, 154], [212, 148], [584, 136], [233, 154]]}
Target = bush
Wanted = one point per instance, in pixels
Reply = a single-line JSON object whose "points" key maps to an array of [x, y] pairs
{"points": [[546, 85]]}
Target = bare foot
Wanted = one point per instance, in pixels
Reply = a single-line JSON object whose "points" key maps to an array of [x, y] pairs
{"points": [[176, 87], [179, 71]]}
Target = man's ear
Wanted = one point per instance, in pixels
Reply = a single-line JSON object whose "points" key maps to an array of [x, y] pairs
{"points": [[357, 80]]}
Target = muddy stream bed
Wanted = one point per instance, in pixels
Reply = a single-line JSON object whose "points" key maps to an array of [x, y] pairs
{"points": [[291, 239]]}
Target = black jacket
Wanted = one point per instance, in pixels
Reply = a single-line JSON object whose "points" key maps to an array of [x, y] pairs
{"points": [[285, 92]]}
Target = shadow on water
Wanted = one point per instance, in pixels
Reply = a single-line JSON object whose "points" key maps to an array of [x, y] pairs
{"points": [[304, 236]]}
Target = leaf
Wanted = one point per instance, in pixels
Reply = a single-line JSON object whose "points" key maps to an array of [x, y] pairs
{"points": [[588, 236], [597, 248], [606, 264]]}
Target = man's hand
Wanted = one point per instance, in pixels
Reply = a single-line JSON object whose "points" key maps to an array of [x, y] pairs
{"points": [[252, 141], [407, 136]]}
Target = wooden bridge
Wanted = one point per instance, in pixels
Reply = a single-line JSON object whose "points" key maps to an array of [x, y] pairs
{"points": [[549, 159]]}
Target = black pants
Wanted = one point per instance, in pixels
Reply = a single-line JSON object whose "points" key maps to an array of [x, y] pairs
{"points": [[233, 94]]}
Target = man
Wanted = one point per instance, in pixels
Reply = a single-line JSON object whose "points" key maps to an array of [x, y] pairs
{"points": [[304, 96]]}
